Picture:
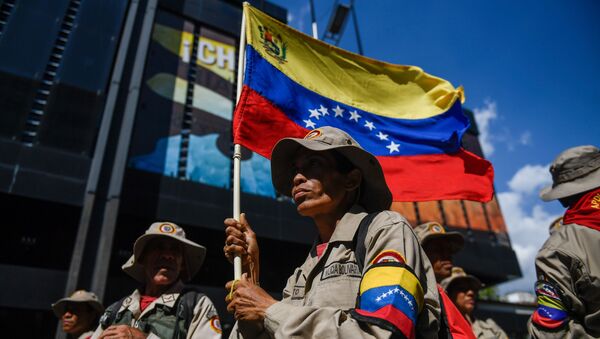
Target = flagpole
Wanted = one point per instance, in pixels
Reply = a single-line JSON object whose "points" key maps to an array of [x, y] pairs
{"points": [[315, 32], [237, 149]]}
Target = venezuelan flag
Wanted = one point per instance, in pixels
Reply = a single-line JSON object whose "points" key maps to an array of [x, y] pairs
{"points": [[550, 312], [391, 296], [410, 120]]}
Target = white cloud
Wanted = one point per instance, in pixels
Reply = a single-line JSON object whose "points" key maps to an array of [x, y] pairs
{"points": [[484, 117], [490, 138], [525, 138], [527, 219], [530, 178]]}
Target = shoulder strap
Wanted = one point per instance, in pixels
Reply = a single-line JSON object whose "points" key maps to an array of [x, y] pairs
{"points": [[110, 314], [188, 298], [358, 241]]}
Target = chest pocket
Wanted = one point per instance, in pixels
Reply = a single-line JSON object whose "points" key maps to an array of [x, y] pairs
{"points": [[161, 322], [336, 285]]}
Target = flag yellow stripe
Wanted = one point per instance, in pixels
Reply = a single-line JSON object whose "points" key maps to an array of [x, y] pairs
{"points": [[550, 303], [390, 276], [402, 91]]}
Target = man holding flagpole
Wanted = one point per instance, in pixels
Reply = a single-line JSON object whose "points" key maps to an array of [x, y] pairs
{"points": [[365, 277]]}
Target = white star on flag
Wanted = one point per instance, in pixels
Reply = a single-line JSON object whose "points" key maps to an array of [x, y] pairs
{"points": [[393, 147], [354, 116], [309, 124], [382, 136], [378, 299], [338, 111], [314, 113], [323, 111], [369, 125]]}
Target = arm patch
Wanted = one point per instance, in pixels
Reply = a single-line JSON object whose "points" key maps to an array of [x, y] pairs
{"points": [[551, 312], [391, 297]]}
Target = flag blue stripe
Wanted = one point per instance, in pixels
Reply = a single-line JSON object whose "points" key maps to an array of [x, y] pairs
{"points": [[375, 298], [435, 135], [551, 313]]}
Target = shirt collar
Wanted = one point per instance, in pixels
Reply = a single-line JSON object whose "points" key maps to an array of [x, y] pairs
{"points": [[168, 299], [170, 296], [347, 226], [345, 229]]}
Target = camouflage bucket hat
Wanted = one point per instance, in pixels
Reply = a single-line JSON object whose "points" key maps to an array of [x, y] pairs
{"points": [[374, 195], [433, 230], [574, 171], [81, 296], [459, 274], [193, 254]]}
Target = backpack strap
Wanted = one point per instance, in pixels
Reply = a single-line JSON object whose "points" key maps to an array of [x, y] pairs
{"points": [[358, 241], [110, 314], [187, 301]]}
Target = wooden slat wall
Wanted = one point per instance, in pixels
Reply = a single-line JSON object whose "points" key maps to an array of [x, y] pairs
{"points": [[476, 216], [430, 211], [495, 216], [455, 216], [407, 209]]}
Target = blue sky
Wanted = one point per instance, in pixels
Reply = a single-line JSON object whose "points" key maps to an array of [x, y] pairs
{"points": [[530, 70]]}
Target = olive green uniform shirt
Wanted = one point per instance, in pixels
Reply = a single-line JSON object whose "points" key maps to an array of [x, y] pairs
{"points": [[319, 295], [205, 322], [570, 259]]}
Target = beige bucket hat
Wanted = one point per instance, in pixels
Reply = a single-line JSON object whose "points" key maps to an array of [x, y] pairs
{"points": [[193, 253], [459, 274], [433, 230], [574, 171], [375, 194], [80, 296]]}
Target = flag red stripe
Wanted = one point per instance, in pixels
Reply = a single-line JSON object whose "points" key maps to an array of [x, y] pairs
{"points": [[265, 127], [394, 316], [462, 175], [545, 322]]}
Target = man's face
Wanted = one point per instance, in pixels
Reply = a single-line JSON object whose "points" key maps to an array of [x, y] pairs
{"points": [[77, 319], [439, 252], [463, 295], [318, 187], [163, 261]]}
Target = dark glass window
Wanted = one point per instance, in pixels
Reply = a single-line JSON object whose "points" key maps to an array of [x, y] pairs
{"points": [[25, 45], [183, 123], [76, 106]]}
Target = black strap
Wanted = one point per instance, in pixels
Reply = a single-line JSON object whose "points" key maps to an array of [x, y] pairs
{"points": [[359, 239], [444, 331], [187, 301]]}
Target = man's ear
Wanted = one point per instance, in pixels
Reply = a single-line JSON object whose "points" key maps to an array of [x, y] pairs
{"points": [[353, 179]]}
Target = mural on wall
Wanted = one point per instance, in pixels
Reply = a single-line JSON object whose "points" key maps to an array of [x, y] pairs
{"points": [[183, 123]]}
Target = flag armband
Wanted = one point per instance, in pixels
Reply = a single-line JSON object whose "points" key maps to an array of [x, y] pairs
{"points": [[391, 297], [552, 306]]}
